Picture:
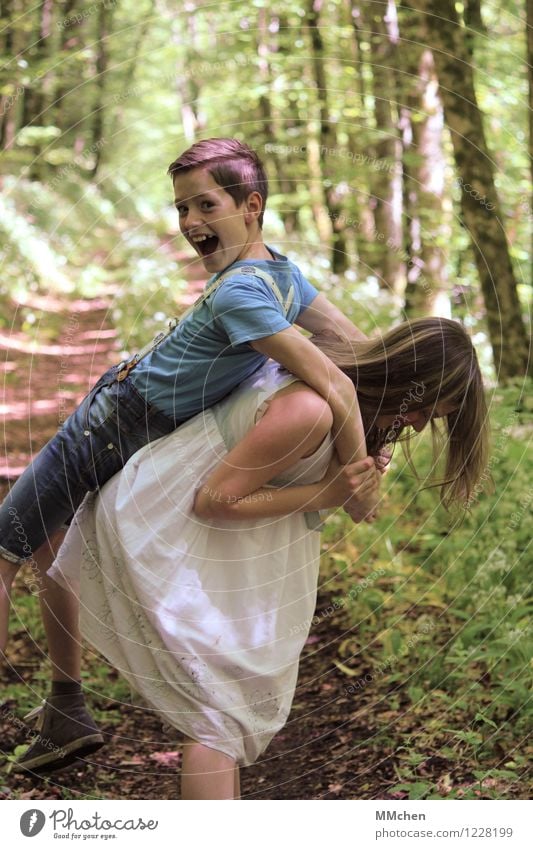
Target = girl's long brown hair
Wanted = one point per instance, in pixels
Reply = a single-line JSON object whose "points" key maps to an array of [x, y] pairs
{"points": [[418, 364]]}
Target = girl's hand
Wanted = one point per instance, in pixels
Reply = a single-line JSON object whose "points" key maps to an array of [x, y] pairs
{"points": [[356, 483], [366, 510]]}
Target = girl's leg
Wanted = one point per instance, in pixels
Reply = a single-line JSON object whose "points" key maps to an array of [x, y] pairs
{"points": [[206, 773], [236, 783]]}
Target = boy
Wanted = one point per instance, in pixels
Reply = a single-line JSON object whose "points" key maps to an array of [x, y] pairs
{"points": [[244, 317]]}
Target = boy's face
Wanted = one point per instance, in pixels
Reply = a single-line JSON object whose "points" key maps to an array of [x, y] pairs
{"points": [[210, 220]]}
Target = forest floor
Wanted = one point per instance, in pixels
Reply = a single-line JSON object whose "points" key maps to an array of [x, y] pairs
{"points": [[331, 747]]}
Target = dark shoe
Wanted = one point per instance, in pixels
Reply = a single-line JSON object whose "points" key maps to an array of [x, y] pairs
{"points": [[65, 732]]}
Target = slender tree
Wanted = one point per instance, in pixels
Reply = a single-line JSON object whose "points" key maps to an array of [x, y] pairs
{"points": [[328, 140], [354, 14], [479, 201], [11, 87], [529, 64], [104, 27], [267, 45], [427, 224], [35, 93], [188, 83], [385, 184], [69, 106], [473, 23]]}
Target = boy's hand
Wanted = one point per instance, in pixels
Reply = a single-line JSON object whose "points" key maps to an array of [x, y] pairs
{"points": [[383, 459]]}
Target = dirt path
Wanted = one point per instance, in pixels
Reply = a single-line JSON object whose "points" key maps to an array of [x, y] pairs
{"points": [[323, 752]]}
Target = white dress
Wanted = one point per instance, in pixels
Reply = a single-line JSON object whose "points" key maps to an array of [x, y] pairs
{"points": [[205, 619]]}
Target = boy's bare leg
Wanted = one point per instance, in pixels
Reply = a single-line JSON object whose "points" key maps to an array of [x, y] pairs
{"points": [[236, 783], [65, 730], [59, 609], [60, 613], [206, 773], [7, 573]]}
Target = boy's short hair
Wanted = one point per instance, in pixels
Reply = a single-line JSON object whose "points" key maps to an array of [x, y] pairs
{"points": [[232, 164]]}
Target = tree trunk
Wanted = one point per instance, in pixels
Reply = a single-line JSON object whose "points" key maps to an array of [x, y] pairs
{"points": [[97, 130], [281, 165], [34, 94], [186, 79], [384, 173], [319, 208], [427, 228], [328, 142], [8, 101], [529, 56], [357, 24], [68, 113], [114, 117], [479, 200], [473, 23]]}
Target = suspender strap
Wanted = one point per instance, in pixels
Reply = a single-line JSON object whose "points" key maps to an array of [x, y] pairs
{"points": [[267, 278], [125, 367]]}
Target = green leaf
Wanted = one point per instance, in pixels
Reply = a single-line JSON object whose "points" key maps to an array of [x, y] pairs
{"points": [[351, 673], [480, 717]]}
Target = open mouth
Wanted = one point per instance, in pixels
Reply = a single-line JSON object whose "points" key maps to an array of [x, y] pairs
{"points": [[205, 245]]}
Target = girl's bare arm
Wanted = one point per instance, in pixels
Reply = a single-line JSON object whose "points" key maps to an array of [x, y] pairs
{"points": [[299, 356], [294, 425]]}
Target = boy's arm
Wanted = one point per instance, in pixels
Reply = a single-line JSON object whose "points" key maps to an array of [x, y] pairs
{"points": [[321, 315]]}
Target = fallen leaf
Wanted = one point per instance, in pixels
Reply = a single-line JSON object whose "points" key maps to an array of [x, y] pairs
{"points": [[166, 758]]}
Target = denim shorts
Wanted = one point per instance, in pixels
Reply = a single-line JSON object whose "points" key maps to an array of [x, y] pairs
{"points": [[112, 422]]}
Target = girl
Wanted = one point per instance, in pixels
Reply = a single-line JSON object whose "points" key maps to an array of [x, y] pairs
{"points": [[198, 568]]}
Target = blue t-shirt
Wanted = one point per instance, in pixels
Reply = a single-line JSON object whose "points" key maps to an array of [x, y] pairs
{"points": [[208, 355]]}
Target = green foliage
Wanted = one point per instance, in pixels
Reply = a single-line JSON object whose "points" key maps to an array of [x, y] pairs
{"points": [[448, 621]]}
